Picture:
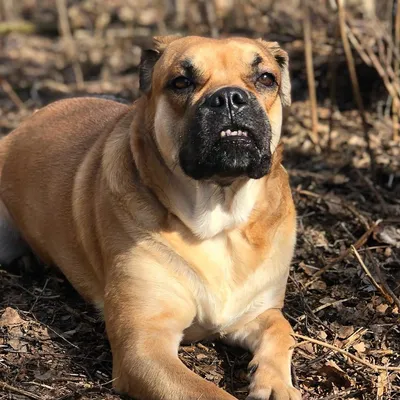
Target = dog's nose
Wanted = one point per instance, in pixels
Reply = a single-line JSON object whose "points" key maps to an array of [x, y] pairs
{"points": [[228, 99]]}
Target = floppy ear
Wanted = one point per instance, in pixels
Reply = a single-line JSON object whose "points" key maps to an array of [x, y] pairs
{"points": [[282, 59], [149, 59]]}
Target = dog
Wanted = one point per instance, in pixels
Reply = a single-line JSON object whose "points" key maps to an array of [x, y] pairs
{"points": [[173, 216]]}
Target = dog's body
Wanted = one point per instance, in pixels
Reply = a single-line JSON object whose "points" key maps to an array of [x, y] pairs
{"points": [[173, 240]]}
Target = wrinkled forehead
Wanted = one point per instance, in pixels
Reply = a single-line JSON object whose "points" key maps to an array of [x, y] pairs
{"points": [[205, 55]]}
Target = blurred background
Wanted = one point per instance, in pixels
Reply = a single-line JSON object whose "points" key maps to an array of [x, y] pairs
{"points": [[342, 151]]}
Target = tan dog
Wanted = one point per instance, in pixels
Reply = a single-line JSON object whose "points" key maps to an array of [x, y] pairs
{"points": [[173, 215]]}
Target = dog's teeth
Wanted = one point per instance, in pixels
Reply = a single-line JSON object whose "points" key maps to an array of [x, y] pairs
{"points": [[228, 132], [245, 133], [223, 134], [240, 133], [234, 133]]}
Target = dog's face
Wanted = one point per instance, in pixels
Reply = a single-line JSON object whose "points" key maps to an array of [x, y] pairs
{"points": [[217, 104]]}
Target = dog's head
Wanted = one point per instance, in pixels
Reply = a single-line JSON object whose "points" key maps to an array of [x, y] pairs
{"points": [[216, 104]]}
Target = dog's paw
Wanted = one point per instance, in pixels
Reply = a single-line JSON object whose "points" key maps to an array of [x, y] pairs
{"points": [[266, 384], [275, 393]]}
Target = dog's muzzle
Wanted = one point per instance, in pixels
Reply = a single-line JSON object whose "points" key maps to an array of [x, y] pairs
{"points": [[229, 137]]}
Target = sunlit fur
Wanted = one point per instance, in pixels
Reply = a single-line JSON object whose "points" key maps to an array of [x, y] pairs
{"points": [[95, 187]]}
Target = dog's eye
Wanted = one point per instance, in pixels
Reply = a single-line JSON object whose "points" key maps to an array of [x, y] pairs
{"points": [[266, 79], [181, 82]]}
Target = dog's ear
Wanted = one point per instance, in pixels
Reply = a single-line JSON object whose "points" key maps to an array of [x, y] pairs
{"points": [[282, 59], [149, 59]]}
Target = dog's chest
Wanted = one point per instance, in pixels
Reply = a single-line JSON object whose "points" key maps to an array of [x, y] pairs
{"points": [[229, 290], [228, 308]]}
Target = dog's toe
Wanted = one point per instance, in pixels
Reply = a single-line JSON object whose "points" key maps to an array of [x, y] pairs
{"points": [[273, 394]]}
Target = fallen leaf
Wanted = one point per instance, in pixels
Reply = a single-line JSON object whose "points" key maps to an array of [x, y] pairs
{"points": [[382, 308], [318, 285], [45, 376], [10, 317], [388, 234], [18, 345], [322, 335], [335, 375], [359, 347], [345, 331]]}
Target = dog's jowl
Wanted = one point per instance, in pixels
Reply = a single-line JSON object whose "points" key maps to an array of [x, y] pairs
{"points": [[173, 215]]}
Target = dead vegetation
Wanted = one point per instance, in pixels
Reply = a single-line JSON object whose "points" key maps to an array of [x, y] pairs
{"points": [[343, 293]]}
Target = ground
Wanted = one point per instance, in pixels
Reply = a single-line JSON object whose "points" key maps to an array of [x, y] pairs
{"points": [[53, 345]]}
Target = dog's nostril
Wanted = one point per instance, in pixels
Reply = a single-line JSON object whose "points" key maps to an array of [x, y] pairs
{"points": [[228, 98], [217, 101], [238, 99]]}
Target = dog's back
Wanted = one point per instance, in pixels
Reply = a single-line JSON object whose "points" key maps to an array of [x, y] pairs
{"points": [[38, 143]]}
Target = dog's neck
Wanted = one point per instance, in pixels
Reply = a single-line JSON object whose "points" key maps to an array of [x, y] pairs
{"points": [[207, 208]]}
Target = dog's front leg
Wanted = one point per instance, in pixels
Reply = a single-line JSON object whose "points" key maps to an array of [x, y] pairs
{"points": [[269, 338], [145, 322]]}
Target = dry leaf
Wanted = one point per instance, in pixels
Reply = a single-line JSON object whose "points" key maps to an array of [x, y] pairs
{"points": [[382, 308], [322, 335], [18, 345], [335, 375], [10, 317], [359, 347], [388, 234], [345, 331], [382, 384]]}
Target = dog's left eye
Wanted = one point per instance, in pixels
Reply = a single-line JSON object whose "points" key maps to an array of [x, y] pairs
{"points": [[181, 82], [266, 79]]}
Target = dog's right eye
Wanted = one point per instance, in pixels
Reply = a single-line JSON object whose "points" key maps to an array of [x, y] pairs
{"points": [[181, 82]]}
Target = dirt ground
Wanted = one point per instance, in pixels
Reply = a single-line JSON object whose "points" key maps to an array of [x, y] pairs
{"points": [[53, 345]]}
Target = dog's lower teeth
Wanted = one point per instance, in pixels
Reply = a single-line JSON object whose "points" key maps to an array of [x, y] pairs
{"points": [[233, 133]]}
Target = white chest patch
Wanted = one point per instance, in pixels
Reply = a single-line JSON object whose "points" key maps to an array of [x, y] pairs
{"points": [[259, 293], [210, 215], [228, 303], [207, 210]]}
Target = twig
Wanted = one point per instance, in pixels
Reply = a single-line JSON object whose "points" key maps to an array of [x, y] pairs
{"points": [[81, 392], [211, 16], [323, 306], [382, 280], [374, 367], [38, 297], [351, 391], [357, 45], [61, 336], [7, 88], [65, 30], [378, 196], [354, 81], [396, 102], [360, 242], [10, 388], [397, 25], [310, 73], [16, 26], [371, 278], [346, 205], [333, 85]]}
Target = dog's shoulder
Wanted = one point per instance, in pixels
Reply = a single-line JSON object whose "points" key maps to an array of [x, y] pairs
{"points": [[91, 109]]}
